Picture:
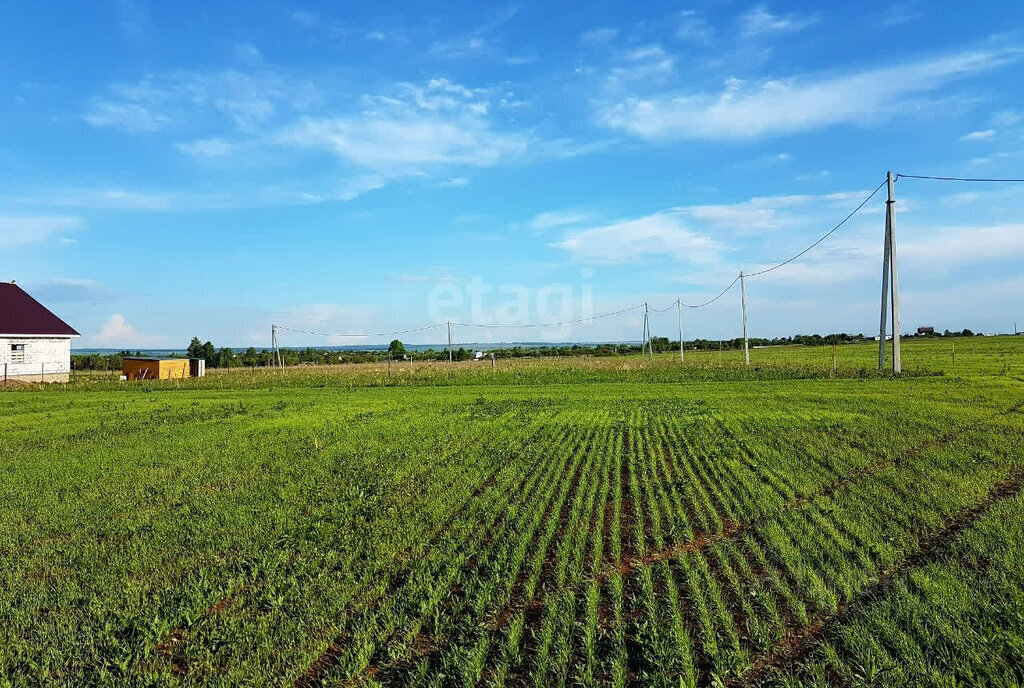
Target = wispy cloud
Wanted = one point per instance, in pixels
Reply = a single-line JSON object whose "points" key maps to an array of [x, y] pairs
{"points": [[116, 332], [214, 147], [559, 218], [693, 26], [73, 290], [655, 236], [245, 99], [901, 13], [414, 129], [475, 41], [131, 117], [983, 135], [773, 108], [601, 34], [22, 230], [759, 21]]}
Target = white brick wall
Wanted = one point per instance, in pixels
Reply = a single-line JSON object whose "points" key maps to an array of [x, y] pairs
{"points": [[50, 353]]}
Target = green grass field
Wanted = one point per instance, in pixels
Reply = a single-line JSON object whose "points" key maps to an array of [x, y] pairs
{"points": [[545, 523]]}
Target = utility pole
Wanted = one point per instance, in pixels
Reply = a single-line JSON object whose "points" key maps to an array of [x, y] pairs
{"points": [[890, 218], [743, 301], [679, 309], [885, 292], [647, 331], [449, 341], [276, 350]]}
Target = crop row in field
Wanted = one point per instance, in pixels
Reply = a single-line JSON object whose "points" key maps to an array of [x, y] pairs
{"points": [[672, 551], [595, 534]]}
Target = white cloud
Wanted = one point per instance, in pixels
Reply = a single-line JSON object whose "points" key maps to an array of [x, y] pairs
{"points": [[215, 147], [759, 21], [247, 100], [922, 250], [72, 290], [694, 27], [248, 54], [559, 218], [902, 13], [130, 117], [116, 332], [1007, 118], [644, 64], [22, 230], [809, 176], [774, 108], [416, 128], [603, 34], [770, 212], [658, 235], [431, 278], [983, 135]]}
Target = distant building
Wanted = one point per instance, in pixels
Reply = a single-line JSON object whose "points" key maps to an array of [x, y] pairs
{"points": [[35, 345], [140, 368], [926, 329]]}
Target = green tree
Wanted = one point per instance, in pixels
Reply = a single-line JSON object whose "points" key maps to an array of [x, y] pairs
{"points": [[396, 348], [250, 357], [209, 355], [660, 343], [195, 348]]}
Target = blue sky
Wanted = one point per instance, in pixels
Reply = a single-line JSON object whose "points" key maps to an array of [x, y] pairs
{"points": [[170, 170]]}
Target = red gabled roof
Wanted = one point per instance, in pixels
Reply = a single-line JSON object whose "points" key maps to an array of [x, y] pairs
{"points": [[21, 314]]}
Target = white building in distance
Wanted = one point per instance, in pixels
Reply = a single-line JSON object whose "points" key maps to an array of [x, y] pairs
{"points": [[35, 345]]}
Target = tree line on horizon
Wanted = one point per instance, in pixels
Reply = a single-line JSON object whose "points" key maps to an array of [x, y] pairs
{"points": [[225, 357]]}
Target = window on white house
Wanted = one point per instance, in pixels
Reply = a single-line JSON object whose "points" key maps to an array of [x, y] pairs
{"points": [[17, 353]]}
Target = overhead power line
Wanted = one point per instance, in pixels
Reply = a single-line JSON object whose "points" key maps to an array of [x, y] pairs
{"points": [[554, 324], [954, 179], [824, 236], [360, 334], [678, 302]]}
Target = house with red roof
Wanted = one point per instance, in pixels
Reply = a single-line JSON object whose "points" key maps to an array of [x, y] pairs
{"points": [[35, 345]]}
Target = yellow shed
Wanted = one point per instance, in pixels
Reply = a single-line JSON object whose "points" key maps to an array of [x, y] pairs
{"points": [[155, 368]]}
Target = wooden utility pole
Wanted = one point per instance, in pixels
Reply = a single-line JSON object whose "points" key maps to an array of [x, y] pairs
{"points": [[833, 358], [679, 309], [449, 341], [743, 302]]}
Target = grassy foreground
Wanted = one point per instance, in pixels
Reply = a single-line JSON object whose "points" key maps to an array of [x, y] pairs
{"points": [[578, 522]]}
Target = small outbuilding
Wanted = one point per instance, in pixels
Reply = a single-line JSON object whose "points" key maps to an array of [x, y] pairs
{"points": [[141, 368], [35, 345]]}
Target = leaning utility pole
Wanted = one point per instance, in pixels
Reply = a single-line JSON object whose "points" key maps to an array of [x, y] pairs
{"points": [[890, 284], [276, 349], [679, 309], [743, 301]]}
